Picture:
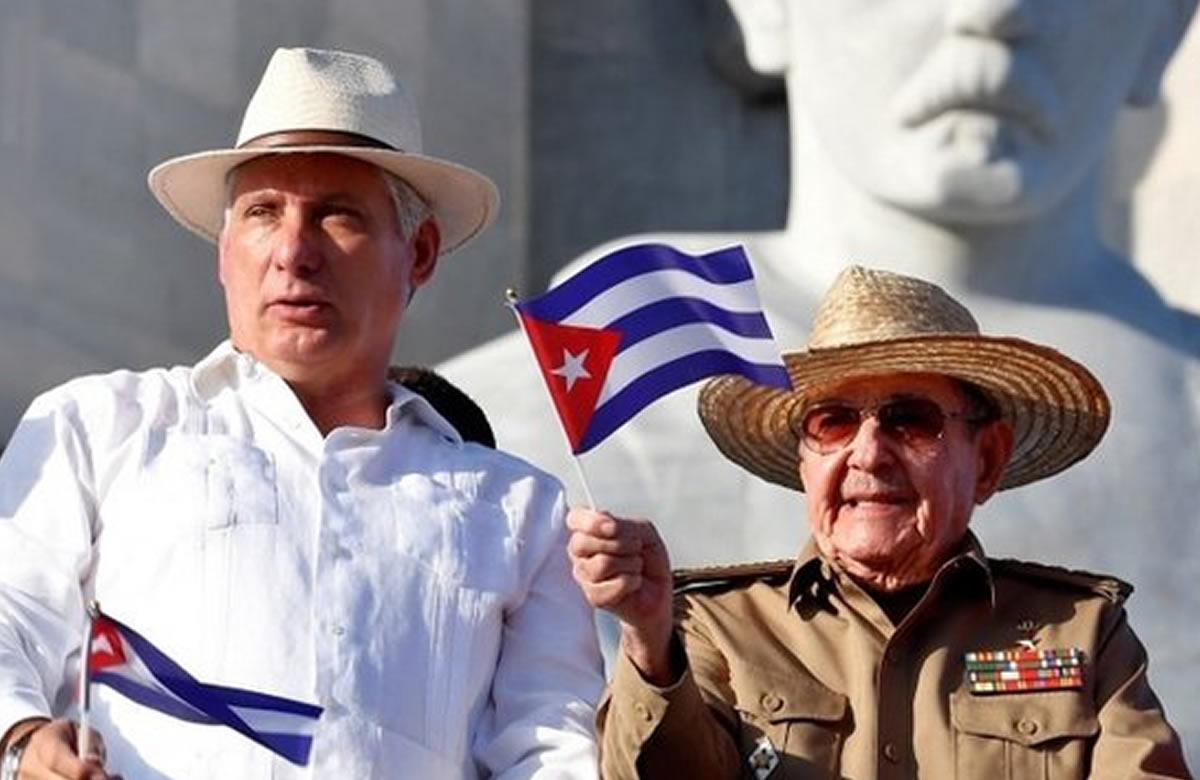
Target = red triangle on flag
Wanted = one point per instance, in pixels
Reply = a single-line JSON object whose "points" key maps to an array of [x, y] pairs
{"points": [[574, 361], [107, 647]]}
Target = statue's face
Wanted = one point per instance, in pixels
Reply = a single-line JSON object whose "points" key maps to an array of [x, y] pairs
{"points": [[971, 111]]}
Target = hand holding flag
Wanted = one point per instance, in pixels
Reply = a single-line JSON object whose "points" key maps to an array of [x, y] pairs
{"points": [[641, 322]]}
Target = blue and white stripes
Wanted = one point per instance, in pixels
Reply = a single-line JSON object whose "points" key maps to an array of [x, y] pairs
{"points": [[126, 661], [680, 318]]}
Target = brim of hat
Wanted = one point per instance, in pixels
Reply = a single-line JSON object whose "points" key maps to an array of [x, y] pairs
{"points": [[192, 187], [1057, 408]]}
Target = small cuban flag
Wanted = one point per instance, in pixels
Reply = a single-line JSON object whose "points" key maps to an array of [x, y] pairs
{"points": [[124, 660], [641, 322]]}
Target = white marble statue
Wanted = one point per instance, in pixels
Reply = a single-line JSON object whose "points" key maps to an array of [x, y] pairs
{"points": [[960, 141], [1162, 203]]}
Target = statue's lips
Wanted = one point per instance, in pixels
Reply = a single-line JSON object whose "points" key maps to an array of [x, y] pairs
{"points": [[983, 76]]}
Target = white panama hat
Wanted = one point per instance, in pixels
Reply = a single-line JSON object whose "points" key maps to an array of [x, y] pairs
{"points": [[315, 100]]}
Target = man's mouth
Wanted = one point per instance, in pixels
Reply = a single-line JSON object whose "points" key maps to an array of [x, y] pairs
{"points": [[300, 307], [301, 302], [889, 499]]}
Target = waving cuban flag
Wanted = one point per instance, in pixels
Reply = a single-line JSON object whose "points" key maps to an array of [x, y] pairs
{"points": [[641, 322], [124, 660]]}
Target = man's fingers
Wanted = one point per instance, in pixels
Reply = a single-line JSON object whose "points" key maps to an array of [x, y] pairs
{"points": [[583, 545], [96, 750], [51, 753], [591, 522], [611, 593], [598, 568]]}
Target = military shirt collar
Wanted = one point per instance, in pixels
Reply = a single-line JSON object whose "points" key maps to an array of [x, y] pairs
{"points": [[814, 578]]}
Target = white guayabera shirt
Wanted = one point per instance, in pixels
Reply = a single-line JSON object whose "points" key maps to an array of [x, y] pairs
{"points": [[414, 586]]}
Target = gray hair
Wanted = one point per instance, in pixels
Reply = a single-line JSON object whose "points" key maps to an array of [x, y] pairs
{"points": [[410, 207]]}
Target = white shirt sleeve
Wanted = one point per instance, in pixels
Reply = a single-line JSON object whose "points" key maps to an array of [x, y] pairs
{"points": [[46, 543], [549, 676]]}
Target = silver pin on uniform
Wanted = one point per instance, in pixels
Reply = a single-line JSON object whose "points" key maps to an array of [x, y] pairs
{"points": [[764, 759]]}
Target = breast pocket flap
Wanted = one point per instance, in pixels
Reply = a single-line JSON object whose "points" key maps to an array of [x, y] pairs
{"points": [[778, 696], [1031, 718]]}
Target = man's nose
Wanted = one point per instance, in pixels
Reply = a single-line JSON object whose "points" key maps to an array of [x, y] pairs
{"points": [[296, 246], [870, 445], [1004, 19]]}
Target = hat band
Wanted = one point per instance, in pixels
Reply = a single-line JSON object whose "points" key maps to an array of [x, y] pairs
{"points": [[313, 138]]}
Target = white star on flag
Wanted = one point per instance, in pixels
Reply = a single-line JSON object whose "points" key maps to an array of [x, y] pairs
{"points": [[648, 319], [572, 368], [102, 644]]}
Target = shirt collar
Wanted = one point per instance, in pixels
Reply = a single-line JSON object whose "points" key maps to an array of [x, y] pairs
{"points": [[814, 578], [406, 402], [221, 369], [226, 368]]}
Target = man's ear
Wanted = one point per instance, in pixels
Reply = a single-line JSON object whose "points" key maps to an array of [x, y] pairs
{"points": [[221, 253], [1170, 26], [994, 443], [426, 241], [764, 29]]}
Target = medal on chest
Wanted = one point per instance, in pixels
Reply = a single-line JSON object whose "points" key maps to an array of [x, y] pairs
{"points": [[1024, 668]]}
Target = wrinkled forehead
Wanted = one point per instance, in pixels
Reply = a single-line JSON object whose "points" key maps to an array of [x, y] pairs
{"points": [[307, 172]]}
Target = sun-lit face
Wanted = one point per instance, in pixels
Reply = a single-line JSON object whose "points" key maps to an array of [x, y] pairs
{"points": [[889, 509], [974, 112], [315, 271]]}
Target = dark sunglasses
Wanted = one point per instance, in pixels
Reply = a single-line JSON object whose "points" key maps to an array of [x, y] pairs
{"points": [[916, 422]]}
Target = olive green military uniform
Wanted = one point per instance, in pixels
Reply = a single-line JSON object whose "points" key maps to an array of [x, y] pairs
{"points": [[796, 672]]}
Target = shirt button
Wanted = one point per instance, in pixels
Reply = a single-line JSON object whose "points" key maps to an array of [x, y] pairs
{"points": [[1027, 727], [642, 711], [771, 702], [338, 630], [890, 752]]}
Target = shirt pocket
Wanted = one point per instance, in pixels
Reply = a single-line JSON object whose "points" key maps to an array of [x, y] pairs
{"points": [[202, 482], [804, 720], [1042, 735], [239, 483], [462, 541]]}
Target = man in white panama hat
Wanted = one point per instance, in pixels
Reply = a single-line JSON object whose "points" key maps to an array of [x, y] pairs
{"points": [[891, 646], [281, 516]]}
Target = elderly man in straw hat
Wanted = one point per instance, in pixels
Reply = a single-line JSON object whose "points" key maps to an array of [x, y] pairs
{"points": [[892, 646], [280, 516]]}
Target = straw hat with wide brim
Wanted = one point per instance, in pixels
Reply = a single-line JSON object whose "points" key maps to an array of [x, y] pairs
{"points": [[314, 100], [872, 323]]}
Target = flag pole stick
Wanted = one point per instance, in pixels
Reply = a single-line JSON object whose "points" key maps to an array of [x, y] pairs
{"points": [[510, 300], [83, 733], [587, 490]]}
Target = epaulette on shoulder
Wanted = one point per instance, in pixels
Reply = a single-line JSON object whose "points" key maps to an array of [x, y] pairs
{"points": [[729, 576], [1114, 589]]}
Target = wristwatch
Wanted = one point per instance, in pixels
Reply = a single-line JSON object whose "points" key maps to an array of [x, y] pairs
{"points": [[12, 756]]}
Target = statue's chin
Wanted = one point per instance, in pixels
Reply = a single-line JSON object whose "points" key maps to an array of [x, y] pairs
{"points": [[961, 191]]}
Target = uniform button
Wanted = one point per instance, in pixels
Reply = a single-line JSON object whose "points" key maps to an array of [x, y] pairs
{"points": [[642, 711], [339, 630], [1027, 727], [771, 702], [890, 752]]}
